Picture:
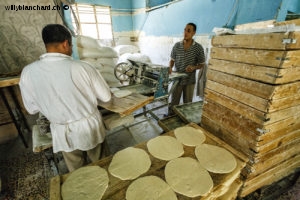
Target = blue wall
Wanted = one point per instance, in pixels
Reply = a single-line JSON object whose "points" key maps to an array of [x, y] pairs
{"points": [[206, 14], [288, 5], [169, 20]]}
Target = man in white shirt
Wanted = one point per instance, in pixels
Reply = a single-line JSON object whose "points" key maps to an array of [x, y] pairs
{"points": [[66, 92]]}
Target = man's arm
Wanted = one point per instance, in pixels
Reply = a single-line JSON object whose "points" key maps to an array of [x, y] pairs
{"points": [[192, 68]]}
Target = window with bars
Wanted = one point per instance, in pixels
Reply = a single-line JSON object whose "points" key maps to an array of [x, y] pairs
{"points": [[93, 20]]}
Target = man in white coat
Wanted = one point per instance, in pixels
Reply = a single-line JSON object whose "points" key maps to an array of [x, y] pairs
{"points": [[66, 92]]}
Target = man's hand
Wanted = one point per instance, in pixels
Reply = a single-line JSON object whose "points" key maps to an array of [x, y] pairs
{"points": [[190, 68]]}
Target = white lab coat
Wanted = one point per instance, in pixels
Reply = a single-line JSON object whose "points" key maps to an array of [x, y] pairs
{"points": [[66, 92]]}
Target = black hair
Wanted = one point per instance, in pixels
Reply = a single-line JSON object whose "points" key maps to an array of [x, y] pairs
{"points": [[193, 25], [53, 33]]}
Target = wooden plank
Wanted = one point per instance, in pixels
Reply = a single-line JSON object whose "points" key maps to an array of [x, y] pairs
{"points": [[9, 81], [126, 105], [55, 193], [239, 136], [222, 114], [284, 127], [219, 131], [263, 90], [238, 107], [263, 105], [254, 25], [282, 23], [296, 44], [259, 89], [117, 188], [248, 99], [279, 141], [232, 191], [258, 41], [268, 58], [250, 112], [275, 174], [259, 134], [274, 158], [260, 73]]}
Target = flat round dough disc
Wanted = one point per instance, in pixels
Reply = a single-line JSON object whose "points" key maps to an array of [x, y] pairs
{"points": [[215, 159], [187, 177], [129, 163], [87, 183], [189, 136], [165, 147], [122, 93], [150, 188]]}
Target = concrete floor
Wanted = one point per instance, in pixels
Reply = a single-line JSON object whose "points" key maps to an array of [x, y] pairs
{"points": [[142, 129]]}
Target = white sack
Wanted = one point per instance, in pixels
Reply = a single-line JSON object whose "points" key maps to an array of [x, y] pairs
{"points": [[112, 62], [134, 56], [87, 42], [105, 52], [121, 49]]}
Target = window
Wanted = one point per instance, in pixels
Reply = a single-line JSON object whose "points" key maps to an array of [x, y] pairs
{"points": [[93, 21]]}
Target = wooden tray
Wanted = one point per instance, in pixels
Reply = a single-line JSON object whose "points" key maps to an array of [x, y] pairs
{"points": [[117, 188], [189, 112]]}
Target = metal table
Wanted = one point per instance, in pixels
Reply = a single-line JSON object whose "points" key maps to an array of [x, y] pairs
{"points": [[8, 83]]}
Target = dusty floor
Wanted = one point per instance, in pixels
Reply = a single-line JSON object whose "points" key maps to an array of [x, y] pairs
{"points": [[143, 129]]}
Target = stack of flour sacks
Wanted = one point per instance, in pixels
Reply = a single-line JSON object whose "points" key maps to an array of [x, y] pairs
{"points": [[105, 58]]}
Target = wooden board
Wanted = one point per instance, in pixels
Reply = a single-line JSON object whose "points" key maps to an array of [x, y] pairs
{"points": [[260, 73], [256, 88], [252, 113], [275, 174], [126, 105], [271, 159], [219, 131], [279, 142], [9, 81], [255, 134], [117, 188], [234, 135], [268, 58], [273, 41], [232, 191], [253, 101]]}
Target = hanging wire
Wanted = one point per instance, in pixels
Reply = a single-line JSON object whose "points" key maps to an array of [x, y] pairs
{"points": [[232, 12]]}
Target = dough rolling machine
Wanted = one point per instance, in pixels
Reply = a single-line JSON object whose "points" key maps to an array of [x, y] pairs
{"points": [[147, 79]]}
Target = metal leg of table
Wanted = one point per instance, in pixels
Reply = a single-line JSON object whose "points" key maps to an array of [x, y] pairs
{"points": [[15, 99], [18, 126]]}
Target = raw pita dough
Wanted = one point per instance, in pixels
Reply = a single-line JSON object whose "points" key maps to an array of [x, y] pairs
{"points": [[215, 159], [122, 93], [129, 163], [189, 136], [165, 147], [150, 188], [87, 183], [186, 176]]}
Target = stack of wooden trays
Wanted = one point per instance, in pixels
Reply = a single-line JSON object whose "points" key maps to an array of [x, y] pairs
{"points": [[252, 102]]}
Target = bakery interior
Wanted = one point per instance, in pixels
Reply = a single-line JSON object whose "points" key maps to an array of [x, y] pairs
{"points": [[246, 99]]}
